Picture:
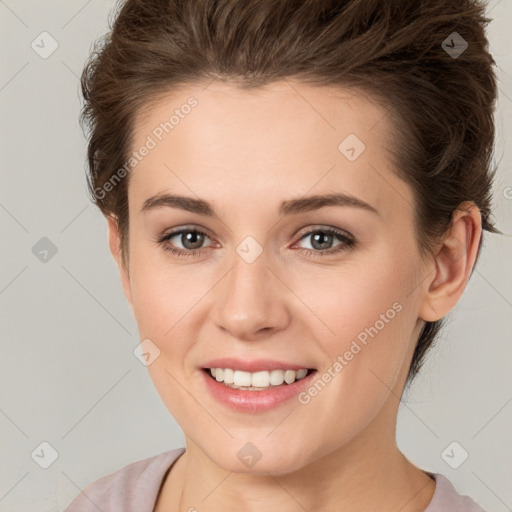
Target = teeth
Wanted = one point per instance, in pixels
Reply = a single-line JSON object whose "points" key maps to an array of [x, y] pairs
{"points": [[257, 380], [229, 376], [241, 378], [300, 374], [289, 376], [276, 377]]}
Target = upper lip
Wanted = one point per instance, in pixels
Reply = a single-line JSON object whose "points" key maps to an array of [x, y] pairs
{"points": [[254, 365]]}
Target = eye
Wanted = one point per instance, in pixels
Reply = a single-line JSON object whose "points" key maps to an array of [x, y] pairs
{"points": [[191, 240], [322, 240]]}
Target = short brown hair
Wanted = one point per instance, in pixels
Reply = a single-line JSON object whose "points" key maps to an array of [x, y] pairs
{"points": [[398, 52]]}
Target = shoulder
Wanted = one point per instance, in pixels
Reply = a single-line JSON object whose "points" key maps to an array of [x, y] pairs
{"points": [[133, 488], [446, 498]]}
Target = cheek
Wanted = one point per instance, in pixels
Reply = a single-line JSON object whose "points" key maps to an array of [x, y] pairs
{"points": [[164, 300], [164, 294], [372, 324], [366, 319], [352, 300]]}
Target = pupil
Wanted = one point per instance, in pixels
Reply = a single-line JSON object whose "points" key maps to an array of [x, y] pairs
{"points": [[196, 239], [322, 236]]}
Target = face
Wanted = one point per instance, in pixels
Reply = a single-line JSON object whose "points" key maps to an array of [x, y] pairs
{"points": [[263, 278]]}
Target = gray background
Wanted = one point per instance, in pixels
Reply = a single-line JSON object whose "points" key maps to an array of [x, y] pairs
{"points": [[68, 373]]}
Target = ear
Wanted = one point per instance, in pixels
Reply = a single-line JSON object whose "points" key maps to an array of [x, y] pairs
{"points": [[454, 263], [114, 240]]}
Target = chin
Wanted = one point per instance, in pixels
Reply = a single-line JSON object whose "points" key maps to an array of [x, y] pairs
{"points": [[253, 461]]}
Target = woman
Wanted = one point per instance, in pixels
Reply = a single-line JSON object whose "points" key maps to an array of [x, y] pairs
{"points": [[295, 194]]}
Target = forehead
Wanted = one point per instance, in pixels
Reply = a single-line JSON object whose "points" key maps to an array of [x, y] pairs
{"points": [[298, 112], [283, 139]]}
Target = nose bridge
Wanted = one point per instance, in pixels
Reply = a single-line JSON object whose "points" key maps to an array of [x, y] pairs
{"points": [[250, 300]]}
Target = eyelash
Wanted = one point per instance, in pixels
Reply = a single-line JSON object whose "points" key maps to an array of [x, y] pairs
{"points": [[348, 242]]}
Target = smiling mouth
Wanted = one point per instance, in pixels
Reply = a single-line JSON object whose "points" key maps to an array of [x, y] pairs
{"points": [[257, 381]]}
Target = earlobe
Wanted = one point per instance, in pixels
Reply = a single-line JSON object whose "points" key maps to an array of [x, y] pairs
{"points": [[114, 240], [454, 262]]}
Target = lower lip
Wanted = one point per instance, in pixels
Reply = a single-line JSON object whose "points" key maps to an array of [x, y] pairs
{"points": [[255, 401]]}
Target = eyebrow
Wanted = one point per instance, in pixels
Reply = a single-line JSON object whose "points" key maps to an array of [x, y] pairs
{"points": [[288, 207]]}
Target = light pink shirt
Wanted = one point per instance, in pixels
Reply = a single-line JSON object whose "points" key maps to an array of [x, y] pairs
{"points": [[135, 488]]}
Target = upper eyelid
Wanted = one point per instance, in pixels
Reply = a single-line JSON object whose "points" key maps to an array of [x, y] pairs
{"points": [[182, 229], [337, 231]]}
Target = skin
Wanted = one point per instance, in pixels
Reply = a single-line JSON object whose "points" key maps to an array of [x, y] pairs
{"points": [[245, 152]]}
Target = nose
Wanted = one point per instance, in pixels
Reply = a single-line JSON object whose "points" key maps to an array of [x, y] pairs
{"points": [[252, 302]]}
